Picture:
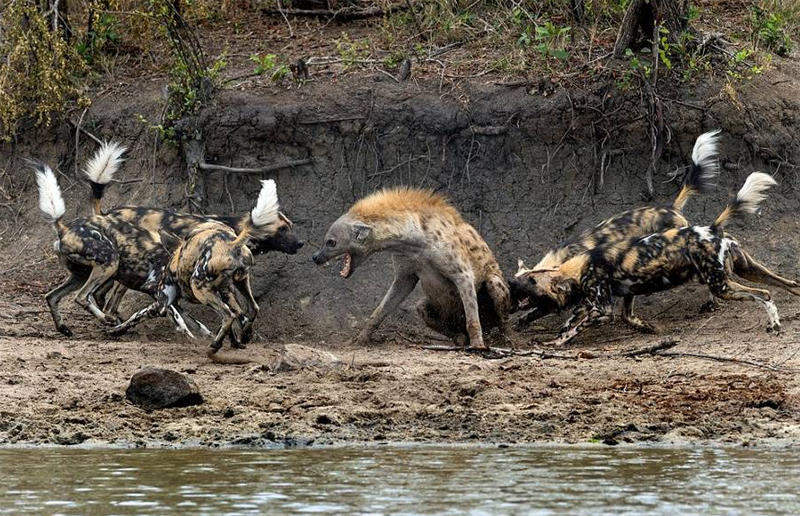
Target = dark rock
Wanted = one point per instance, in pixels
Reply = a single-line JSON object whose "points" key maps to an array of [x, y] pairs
{"points": [[154, 388]]}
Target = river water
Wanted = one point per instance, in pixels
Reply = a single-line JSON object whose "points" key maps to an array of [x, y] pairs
{"points": [[398, 479]]}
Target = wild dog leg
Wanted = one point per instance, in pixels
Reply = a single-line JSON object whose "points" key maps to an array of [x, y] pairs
{"points": [[632, 320], [228, 295], [748, 268], [213, 300], [113, 300], [53, 297], [465, 285], [589, 316], [97, 278], [734, 291], [154, 309], [403, 284], [250, 307]]}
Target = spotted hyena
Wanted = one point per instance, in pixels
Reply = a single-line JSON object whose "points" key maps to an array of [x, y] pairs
{"points": [[431, 244]]}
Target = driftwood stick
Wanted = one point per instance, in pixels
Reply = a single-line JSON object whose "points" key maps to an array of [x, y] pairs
{"points": [[261, 170]]}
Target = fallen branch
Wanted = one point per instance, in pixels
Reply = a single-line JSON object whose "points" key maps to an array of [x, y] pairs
{"points": [[731, 360], [345, 13], [650, 350], [261, 170], [77, 127]]}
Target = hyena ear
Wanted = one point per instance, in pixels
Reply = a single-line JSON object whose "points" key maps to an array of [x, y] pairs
{"points": [[361, 231]]}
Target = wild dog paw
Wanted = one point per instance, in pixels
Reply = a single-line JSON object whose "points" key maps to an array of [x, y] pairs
{"points": [[709, 306], [63, 330], [116, 331], [774, 328]]}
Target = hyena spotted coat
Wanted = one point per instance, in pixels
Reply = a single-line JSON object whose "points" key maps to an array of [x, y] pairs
{"points": [[431, 244]]}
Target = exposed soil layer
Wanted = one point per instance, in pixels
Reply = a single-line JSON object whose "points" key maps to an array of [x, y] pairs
{"points": [[526, 165]]}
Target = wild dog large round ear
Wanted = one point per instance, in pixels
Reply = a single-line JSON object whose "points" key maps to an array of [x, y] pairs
{"points": [[521, 269]]}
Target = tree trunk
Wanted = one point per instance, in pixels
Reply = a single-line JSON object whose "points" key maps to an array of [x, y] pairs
{"points": [[642, 16]]}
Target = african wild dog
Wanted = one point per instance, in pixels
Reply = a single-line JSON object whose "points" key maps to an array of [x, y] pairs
{"points": [[100, 249], [431, 244], [701, 177], [652, 263], [643, 221], [274, 237], [211, 266]]}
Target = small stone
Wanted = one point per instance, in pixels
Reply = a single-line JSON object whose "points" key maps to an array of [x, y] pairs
{"points": [[154, 388], [295, 356]]}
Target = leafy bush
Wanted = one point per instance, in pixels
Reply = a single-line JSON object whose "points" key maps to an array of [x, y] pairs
{"points": [[39, 70]]}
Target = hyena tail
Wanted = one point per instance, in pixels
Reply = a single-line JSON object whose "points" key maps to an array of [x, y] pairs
{"points": [[265, 212], [50, 200], [101, 168], [704, 171], [750, 196]]}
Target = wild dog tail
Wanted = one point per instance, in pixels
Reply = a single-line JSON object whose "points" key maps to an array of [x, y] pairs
{"points": [[750, 196], [101, 168], [265, 212], [50, 200], [704, 171]]}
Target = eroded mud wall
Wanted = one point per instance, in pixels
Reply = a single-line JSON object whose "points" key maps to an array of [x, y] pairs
{"points": [[526, 167]]}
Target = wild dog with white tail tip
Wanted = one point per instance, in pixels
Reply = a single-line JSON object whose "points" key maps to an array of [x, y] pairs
{"points": [[98, 250], [279, 236], [702, 176], [431, 244], [211, 266], [652, 263]]}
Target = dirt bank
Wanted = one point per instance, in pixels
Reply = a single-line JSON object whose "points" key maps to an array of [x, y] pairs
{"points": [[527, 165]]}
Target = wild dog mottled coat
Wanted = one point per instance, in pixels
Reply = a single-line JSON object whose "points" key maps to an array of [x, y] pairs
{"points": [[653, 263], [98, 250], [211, 266], [431, 244]]}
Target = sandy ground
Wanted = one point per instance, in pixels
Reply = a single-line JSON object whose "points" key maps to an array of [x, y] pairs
{"points": [[70, 391]]}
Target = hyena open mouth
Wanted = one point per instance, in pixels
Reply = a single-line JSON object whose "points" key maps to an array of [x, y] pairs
{"points": [[346, 266]]}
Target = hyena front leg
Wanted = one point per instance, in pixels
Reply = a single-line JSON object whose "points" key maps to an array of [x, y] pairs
{"points": [[632, 320], [404, 282], [465, 285]]}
